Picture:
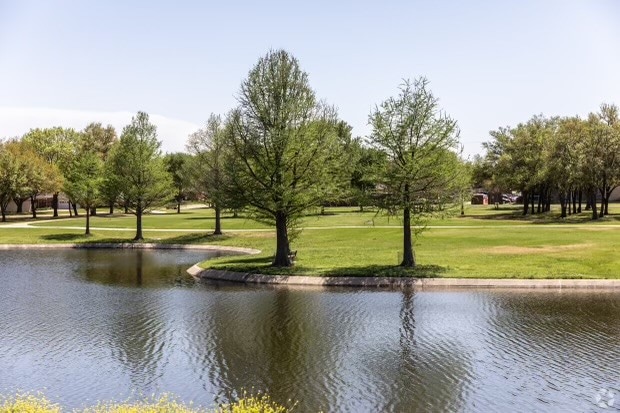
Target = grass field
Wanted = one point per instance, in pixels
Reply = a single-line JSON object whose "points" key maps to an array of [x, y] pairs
{"points": [[486, 243]]}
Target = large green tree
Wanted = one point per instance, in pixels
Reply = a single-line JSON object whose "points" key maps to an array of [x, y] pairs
{"points": [[83, 182], [281, 143], [139, 169], [12, 175], [57, 146], [97, 139], [208, 144], [177, 164], [421, 143], [367, 167]]}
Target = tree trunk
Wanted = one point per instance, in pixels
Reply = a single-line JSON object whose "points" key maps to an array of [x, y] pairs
{"points": [[111, 208], [218, 221], [88, 210], [282, 258], [580, 200], [593, 204], [563, 205], [33, 203], [93, 211], [20, 204], [602, 212], [3, 212], [55, 204], [408, 258], [139, 236], [322, 209], [533, 203], [526, 203], [178, 207], [608, 192], [574, 202], [74, 206], [607, 205]]}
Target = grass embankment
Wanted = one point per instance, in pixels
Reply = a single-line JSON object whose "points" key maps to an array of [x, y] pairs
{"points": [[486, 243]]}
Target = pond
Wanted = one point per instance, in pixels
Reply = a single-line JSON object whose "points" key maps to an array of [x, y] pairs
{"points": [[86, 325]]}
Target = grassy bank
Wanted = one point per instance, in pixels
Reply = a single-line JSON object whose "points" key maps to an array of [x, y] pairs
{"points": [[486, 243]]}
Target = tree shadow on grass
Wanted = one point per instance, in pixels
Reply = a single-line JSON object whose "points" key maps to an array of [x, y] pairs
{"points": [[81, 238], [420, 271], [195, 238], [66, 237], [262, 265]]}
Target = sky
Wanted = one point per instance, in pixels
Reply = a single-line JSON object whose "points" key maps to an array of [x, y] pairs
{"points": [[490, 63]]}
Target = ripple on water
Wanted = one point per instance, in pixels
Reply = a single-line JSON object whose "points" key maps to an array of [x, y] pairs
{"points": [[90, 326]]}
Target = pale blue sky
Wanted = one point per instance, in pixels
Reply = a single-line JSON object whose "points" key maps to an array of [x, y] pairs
{"points": [[491, 63]]}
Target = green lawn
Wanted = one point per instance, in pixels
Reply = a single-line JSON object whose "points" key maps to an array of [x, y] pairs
{"points": [[204, 219], [487, 243]]}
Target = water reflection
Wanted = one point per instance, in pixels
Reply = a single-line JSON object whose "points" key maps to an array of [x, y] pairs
{"points": [[541, 337], [89, 325], [139, 268]]}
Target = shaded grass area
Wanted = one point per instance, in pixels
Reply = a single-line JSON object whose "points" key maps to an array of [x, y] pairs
{"points": [[204, 218], [588, 250]]}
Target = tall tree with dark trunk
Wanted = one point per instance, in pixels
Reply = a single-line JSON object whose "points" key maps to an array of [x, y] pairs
{"points": [[281, 145], [139, 169], [421, 143]]}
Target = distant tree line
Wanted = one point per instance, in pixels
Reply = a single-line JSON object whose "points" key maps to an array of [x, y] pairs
{"points": [[573, 160], [278, 154]]}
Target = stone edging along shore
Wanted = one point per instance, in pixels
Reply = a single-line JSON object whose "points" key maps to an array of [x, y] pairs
{"points": [[376, 282], [396, 282]]}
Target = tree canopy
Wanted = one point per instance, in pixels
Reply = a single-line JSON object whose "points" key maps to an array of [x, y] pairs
{"points": [[139, 169], [281, 143], [421, 143]]}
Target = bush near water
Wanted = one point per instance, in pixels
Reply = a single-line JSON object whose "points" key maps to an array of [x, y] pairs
{"points": [[29, 403]]}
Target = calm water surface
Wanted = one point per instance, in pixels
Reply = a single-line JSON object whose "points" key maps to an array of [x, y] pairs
{"points": [[86, 325]]}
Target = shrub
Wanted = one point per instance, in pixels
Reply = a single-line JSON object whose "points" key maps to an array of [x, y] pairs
{"points": [[249, 403], [27, 403]]}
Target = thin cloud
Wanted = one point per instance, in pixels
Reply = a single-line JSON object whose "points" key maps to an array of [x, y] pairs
{"points": [[17, 121]]}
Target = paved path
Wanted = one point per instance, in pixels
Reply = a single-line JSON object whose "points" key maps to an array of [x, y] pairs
{"points": [[34, 225]]}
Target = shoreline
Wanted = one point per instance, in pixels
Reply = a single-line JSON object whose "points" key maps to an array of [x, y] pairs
{"points": [[332, 281], [401, 282], [130, 245]]}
